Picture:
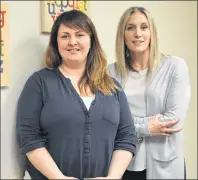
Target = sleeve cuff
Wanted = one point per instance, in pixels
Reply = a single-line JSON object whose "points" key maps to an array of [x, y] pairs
{"points": [[142, 131], [31, 147], [132, 149]]}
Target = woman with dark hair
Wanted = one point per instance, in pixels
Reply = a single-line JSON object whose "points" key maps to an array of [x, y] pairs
{"points": [[73, 120]]}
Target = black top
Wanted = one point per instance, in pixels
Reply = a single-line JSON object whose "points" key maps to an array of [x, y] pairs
{"points": [[51, 114]]}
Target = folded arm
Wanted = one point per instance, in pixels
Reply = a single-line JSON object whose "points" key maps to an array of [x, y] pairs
{"points": [[176, 103]]}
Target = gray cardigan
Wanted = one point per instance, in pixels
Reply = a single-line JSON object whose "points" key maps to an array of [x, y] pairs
{"points": [[168, 93]]}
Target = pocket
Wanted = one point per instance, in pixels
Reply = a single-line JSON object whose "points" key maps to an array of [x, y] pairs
{"points": [[164, 157], [165, 169], [111, 112], [164, 148]]}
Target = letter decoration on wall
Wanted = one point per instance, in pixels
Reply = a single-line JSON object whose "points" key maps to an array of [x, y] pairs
{"points": [[50, 10], [5, 44]]}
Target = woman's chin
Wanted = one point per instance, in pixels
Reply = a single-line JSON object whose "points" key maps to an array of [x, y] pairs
{"points": [[139, 50]]}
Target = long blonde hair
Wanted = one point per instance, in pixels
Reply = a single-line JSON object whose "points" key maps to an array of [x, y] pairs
{"points": [[95, 75], [122, 64]]}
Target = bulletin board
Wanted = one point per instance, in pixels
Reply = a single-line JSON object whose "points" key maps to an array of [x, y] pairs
{"points": [[5, 44], [50, 10]]}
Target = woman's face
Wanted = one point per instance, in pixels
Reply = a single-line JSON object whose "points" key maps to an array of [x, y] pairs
{"points": [[73, 44], [137, 33]]}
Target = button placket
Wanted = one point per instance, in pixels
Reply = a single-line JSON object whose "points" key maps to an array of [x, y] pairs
{"points": [[87, 138]]}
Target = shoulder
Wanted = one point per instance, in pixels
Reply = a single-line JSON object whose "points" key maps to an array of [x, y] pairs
{"points": [[45, 72], [119, 93], [113, 73], [178, 63], [112, 66], [112, 69], [41, 75], [172, 66], [117, 83]]}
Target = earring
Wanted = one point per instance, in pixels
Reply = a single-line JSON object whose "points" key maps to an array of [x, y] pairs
{"points": [[127, 52]]}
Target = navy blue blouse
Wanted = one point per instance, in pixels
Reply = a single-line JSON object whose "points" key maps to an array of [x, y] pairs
{"points": [[51, 114]]}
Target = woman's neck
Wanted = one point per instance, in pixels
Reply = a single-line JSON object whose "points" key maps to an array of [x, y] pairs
{"points": [[139, 61], [75, 74], [71, 71]]}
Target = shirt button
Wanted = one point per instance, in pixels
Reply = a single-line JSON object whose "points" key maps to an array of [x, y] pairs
{"points": [[87, 131], [87, 150], [87, 138], [86, 114]]}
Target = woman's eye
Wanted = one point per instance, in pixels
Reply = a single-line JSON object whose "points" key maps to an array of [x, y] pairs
{"points": [[144, 27], [64, 37], [130, 27]]}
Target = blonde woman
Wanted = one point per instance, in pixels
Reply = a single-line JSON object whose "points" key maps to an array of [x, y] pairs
{"points": [[73, 120], [158, 92]]}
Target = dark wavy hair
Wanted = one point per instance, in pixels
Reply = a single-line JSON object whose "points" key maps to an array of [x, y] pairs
{"points": [[95, 75]]}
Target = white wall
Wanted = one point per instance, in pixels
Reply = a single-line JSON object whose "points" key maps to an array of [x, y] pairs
{"points": [[177, 27], [27, 46]]}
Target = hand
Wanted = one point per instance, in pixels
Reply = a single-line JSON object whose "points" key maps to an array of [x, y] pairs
{"points": [[158, 128]]}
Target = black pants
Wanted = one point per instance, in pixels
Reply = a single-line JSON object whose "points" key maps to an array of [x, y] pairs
{"points": [[136, 175]]}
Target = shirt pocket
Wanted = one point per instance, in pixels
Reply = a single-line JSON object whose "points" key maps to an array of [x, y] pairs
{"points": [[165, 168], [111, 111], [165, 157]]}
